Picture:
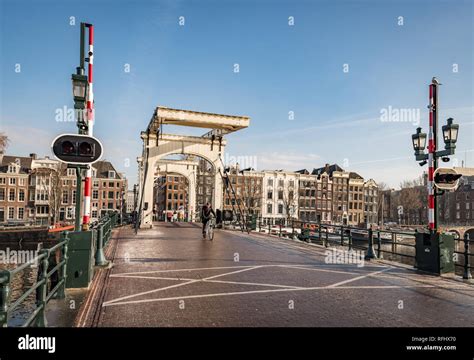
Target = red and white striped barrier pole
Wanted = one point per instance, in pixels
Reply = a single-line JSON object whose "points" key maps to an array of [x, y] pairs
{"points": [[432, 162], [90, 125]]}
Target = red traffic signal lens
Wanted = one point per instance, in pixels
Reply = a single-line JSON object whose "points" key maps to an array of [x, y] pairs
{"points": [[68, 148], [85, 149]]}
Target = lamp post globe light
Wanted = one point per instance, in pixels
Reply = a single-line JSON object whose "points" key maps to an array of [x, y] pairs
{"points": [[79, 89], [450, 134], [419, 142]]}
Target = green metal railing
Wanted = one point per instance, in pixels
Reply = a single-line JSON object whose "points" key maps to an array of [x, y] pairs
{"points": [[370, 240], [41, 288], [103, 230], [465, 265]]}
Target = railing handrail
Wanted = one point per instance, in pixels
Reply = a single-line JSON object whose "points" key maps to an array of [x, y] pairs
{"points": [[40, 285]]}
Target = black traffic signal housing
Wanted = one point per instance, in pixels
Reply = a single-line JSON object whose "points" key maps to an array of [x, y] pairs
{"points": [[77, 149], [447, 179]]}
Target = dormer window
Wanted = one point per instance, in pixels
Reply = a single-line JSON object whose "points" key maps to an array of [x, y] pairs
{"points": [[111, 174], [13, 169]]}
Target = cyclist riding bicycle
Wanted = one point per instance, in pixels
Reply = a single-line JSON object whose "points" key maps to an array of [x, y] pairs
{"points": [[206, 212]]}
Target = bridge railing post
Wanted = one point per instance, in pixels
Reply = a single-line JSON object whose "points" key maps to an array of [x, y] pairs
{"points": [[467, 271], [5, 292], [326, 242], [40, 320], [350, 240], [342, 235], [63, 269]]}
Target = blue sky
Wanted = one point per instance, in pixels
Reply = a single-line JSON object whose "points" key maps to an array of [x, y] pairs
{"points": [[299, 68]]}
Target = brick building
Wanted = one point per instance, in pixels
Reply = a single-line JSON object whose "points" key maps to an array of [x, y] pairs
{"points": [[14, 173], [171, 195], [244, 191]]}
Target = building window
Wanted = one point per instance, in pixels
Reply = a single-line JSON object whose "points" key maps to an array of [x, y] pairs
{"points": [[11, 195], [2, 194], [95, 194], [270, 182], [22, 181], [280, 208], [95, 183], [21, 213], [21, 195], [270, 195], [71, 172], [65, 197], [73, 196], [11, 213], [12, 181], [94, 213], [111, 174], [111, 194], [69, 213], [280, 195], [269, 208], [3, 180]]}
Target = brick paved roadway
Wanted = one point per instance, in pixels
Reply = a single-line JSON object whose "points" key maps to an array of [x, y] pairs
{"points": [[169, 276]]}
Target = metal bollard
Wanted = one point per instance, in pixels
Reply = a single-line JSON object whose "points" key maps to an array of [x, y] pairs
{"points": [[370, 249], [467, 273], [100, 259], [379, 244], [5, 292]]}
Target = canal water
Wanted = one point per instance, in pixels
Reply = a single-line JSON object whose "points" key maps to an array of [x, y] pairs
{"points": [[23, 280]]}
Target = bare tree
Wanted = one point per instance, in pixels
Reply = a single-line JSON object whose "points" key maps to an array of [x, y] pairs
{"points": [[412, 198], [289, 204], [4, 141]]}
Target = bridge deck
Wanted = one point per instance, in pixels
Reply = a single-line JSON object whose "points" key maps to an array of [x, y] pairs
{"points": [[169, 276]]}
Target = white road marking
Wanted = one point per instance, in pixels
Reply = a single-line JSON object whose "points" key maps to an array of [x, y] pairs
{"points": [[189, 269], [359, 277], [323, 270], [265, 291], [178, 285], [211, 281]]}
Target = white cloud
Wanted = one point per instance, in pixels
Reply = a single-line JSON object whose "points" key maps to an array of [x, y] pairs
{"points": [[287, 161]]}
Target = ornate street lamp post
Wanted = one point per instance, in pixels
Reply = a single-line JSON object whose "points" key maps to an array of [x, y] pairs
{"points": [[450, 135]]}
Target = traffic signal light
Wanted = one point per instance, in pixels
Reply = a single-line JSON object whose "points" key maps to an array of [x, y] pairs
{"points": [[446, 179], [77, 149]]}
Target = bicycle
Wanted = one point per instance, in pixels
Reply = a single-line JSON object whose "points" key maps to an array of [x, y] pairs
{"points": [[209, 230]]}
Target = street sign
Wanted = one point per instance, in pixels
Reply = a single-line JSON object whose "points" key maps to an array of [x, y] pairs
{"points": [[446, 179], [77, 149]]}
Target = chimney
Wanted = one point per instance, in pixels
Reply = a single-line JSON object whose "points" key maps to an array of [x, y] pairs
{"points": [[33, 156]]}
